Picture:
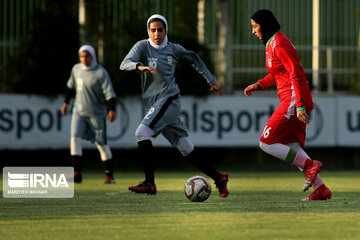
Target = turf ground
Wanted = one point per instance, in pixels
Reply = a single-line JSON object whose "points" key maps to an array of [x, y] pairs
{"points": [[260, 206]]}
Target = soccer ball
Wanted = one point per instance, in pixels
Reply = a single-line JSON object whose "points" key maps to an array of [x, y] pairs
{"points": [[197, 189]]}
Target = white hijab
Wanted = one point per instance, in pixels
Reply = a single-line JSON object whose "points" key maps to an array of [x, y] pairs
{"points": [[91, 51], [164, 43]]}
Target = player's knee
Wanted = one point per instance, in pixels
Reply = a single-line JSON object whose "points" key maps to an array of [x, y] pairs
{"points": [[75, 146], [105, 152], [185, 146], [265, 147], [143, 132]]}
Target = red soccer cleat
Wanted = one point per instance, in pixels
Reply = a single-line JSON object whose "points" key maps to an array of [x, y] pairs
{"points": [[222, 185], [109, 180], [310, 173], [322, 193], [144, 187]]}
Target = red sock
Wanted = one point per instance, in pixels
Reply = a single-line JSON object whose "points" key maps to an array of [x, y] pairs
{"points": [[318, 182], [301, 161]]}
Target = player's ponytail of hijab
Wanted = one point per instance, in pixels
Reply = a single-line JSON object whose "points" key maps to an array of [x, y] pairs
{"points": [[163, 19], [269, 24], [91, 51]]}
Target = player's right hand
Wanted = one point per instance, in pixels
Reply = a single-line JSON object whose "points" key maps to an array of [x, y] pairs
{"points": [[64, 109], [111, 116], [217, 88], [249, 89], [147, 69]]}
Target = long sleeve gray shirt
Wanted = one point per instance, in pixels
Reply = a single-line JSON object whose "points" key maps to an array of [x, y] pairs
{"points": [[93, 88], [162, 84]]}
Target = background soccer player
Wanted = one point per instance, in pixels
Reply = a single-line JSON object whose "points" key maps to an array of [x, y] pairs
{"points": [[155, 60], [94, 100], [284, 133]]}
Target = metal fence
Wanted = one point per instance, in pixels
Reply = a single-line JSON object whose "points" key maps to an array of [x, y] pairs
{"points": [[339, 33], [16, 17], [339, 40]]}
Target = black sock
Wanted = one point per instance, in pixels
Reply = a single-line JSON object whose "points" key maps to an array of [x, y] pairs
{"points": [[109, 167], [203, 166], [77, 162], [147, 158]]}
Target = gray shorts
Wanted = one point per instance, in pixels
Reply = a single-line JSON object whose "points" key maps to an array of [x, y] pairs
{"points": [[163, 117], [89, 128]]}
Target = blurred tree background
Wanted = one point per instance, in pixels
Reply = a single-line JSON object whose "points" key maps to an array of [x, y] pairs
{"points": [[42, 60]]}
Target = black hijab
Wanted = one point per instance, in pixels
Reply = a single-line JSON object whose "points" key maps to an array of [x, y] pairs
{"points": [[269, 24]]}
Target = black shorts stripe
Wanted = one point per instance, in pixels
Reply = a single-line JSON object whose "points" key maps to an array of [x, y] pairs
{"points": [[163, 110]]}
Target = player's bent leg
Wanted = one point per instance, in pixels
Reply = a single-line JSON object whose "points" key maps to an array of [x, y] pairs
{"points": [[311, 167], [277, 150], [281, 151], [75, 146], [77, 163], [106, 158], [185, 146], [76, 157], [317, 181], [221, 179], [143, 132]]}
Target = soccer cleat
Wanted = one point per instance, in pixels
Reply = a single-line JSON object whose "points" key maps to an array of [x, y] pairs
{"points": [[222, 185], [322, 193], [109, 180], [307, 185], [310, 173], [77, 177], [144, 187]]}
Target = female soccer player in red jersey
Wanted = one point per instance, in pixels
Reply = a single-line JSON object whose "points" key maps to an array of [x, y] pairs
{"points": [[285, 131]]}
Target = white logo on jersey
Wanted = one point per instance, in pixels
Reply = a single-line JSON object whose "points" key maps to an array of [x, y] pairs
{"points": [[80, 84], [153, 62], [269, 62], [169, 58]]}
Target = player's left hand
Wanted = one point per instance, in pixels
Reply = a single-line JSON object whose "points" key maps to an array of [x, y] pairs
{"points": [[303, 116], [217, 88], [111, 116]]}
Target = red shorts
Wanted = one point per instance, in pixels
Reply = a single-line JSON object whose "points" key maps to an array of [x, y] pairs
{"points": [[282, 128]]}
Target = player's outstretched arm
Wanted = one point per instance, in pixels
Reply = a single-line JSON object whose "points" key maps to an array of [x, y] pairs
{"points": [[249, 89], [217, 88]]}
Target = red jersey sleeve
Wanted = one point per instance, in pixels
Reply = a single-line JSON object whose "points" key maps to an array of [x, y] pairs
{"points": [[266, 81], [292, 65]]}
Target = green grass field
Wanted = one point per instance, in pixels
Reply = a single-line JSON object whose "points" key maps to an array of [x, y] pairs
{"points": [[260, 206]]}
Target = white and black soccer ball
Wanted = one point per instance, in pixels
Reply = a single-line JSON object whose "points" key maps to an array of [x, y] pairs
{"points": [[197, 189]]}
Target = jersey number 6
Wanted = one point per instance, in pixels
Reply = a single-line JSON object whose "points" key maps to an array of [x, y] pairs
{"points": [[266, 132]]}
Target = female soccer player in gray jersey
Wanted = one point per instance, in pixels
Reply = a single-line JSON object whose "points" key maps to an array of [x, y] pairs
{"points": [[155, 59], [94, 95]]}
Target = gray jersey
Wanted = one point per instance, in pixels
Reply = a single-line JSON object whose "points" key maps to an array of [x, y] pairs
{"points": [[161, 85], [93, 88]]}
